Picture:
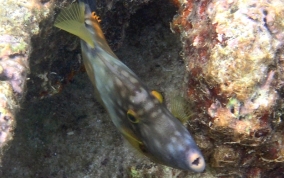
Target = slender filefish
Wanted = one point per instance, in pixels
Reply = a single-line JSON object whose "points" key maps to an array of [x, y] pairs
{"points": [[138, 113]]}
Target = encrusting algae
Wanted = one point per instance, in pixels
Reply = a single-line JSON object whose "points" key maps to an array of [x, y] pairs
{"points": [[19, 21], [234, 56], [139, 114]]}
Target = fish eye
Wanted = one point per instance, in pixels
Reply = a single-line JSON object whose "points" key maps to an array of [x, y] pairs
{"points": [[132, 117]]}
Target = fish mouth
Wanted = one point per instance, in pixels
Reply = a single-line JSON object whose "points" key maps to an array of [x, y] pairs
{"points": [[195, 161]]}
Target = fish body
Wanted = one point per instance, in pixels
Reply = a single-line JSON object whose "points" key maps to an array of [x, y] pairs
{"points": [[138, 113]]}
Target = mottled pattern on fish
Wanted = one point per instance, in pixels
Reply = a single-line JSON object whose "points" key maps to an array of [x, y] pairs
{"points": [[136, 111]]}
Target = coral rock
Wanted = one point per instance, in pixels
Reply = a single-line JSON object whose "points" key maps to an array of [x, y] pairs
{"points": [[234, 56]]}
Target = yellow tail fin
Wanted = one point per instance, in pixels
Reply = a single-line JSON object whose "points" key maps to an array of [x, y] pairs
{"points": [[72, 20]]}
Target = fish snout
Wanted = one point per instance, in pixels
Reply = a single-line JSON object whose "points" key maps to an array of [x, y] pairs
{"points": [[195, 160]]}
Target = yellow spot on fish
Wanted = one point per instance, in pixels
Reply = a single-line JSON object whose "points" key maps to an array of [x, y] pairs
{"points": [[158, 96]]}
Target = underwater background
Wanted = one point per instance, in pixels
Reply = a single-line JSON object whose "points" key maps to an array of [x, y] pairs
{"points": [[224, 56]]}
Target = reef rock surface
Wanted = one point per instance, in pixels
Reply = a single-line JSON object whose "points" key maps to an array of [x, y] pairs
{"points": [[233, 52]]}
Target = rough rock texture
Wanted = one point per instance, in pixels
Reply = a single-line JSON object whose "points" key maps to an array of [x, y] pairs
{"points": [[233, 52], [19, 21]]}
